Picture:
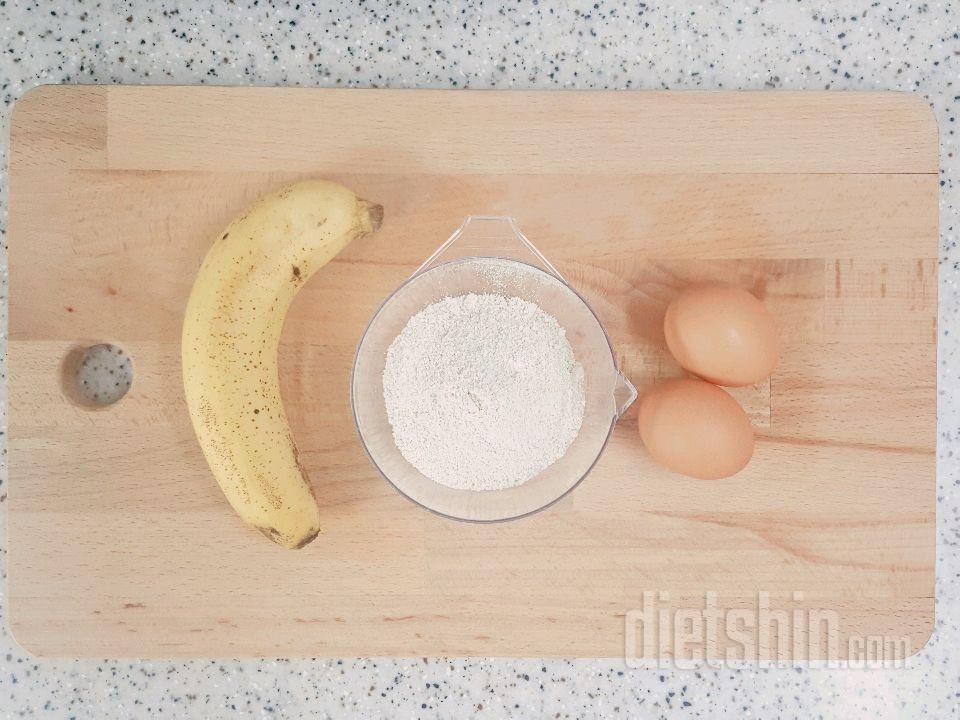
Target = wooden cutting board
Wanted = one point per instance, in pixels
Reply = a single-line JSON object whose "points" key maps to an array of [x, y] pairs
{"points": [[824, 204]]}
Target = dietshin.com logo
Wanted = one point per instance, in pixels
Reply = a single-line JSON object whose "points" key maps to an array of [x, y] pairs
{"points": [[663, 634]]}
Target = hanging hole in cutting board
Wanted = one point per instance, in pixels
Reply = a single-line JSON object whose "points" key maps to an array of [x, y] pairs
{"points": [[97, 376]]}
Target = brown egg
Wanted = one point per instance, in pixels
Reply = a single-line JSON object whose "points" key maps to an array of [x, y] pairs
{"points": [[695, 428], [722, 333]]}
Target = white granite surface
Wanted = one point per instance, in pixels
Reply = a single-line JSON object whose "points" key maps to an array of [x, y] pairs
{"points": [[861, 45]]}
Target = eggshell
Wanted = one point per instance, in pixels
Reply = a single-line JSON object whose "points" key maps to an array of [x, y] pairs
{"points": [[722, 333], [696, 429]]}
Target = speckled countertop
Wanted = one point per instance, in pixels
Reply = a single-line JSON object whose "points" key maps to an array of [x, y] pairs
{"points": [[860, 45]]}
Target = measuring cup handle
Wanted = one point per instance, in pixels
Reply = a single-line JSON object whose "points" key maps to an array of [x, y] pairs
{"points": [[489, 236]]}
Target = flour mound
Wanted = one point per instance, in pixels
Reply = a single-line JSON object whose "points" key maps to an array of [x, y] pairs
{"points": [[482, 391]]}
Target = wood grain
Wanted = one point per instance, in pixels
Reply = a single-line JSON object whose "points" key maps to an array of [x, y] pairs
{"points": [[823, 204]]}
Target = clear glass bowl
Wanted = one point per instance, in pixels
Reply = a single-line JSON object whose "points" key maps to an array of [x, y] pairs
{"points": [[489, 255]]}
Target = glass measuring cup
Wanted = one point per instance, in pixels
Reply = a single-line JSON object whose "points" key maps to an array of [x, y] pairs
{"points": [[490, 255]]}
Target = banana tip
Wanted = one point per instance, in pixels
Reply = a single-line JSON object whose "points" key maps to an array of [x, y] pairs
{"points": [[287, 541], [375, 215]]}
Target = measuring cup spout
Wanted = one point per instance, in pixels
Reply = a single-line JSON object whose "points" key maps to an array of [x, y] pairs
{"points": [[624, 393]]}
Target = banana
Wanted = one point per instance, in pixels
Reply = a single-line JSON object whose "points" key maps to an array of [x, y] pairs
{"points": [[231, 334]]}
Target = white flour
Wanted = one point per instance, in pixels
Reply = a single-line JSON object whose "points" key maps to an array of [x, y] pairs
{"points": [[482, 391]]}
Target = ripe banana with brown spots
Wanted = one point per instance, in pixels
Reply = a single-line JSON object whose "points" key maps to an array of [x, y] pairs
{"points": [[231, 335]]}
